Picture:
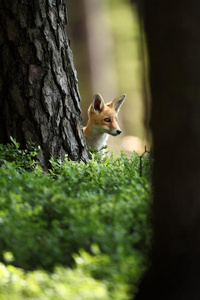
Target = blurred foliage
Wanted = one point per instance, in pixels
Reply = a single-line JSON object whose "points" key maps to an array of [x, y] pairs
{"points": [[124, 23], [122, 20], [81, 230], [63, 283], [126, 32]]}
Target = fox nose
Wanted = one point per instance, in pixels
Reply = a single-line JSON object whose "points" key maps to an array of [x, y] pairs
{"points": [[119, 131]]}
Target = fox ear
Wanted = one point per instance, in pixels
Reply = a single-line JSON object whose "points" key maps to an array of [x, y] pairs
{"points": [[117, 102], [98, 103]]}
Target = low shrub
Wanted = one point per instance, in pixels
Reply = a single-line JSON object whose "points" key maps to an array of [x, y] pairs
{"points": [[101, 207], [62, 284], [22, 159]]}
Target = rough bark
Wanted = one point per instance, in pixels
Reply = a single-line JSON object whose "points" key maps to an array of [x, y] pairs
{"points": [[174, 45], [39, 97]]}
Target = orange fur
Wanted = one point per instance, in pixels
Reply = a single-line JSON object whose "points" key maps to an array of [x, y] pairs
{"points": [[102, 121]]}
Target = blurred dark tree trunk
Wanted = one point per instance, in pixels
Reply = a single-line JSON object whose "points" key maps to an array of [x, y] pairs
{"points": [[39, 97], [172, 29]]}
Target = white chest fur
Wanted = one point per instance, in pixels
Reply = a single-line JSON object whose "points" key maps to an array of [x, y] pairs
{"points": [[97, 140]]}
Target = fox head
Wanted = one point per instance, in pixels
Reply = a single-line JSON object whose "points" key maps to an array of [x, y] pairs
{"points": [[103, 116]]}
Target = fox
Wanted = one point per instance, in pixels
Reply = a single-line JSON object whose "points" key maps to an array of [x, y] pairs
{"points": [[102, 122]]}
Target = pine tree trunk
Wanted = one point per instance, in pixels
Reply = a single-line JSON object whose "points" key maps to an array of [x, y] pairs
{"points": [[39, 97], [174, 50]]}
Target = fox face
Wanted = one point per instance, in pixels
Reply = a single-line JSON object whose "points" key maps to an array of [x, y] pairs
{"points": [[104, 116], [102, 120]]}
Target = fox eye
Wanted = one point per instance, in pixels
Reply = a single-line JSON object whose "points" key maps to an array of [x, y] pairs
{"points": [[107, 120]]}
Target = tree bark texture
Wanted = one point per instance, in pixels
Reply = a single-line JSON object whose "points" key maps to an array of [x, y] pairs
{"points": [[39, 97], [172, 29]]}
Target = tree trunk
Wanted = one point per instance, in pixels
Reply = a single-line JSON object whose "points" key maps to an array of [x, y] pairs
{"points": [[39, 97], [174, 50]]}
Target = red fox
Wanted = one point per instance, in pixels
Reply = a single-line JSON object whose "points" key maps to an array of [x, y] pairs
{"points": [[102, 120]]}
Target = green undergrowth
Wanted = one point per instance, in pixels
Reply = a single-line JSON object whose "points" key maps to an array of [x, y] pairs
{"points": [[80, 231]]}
